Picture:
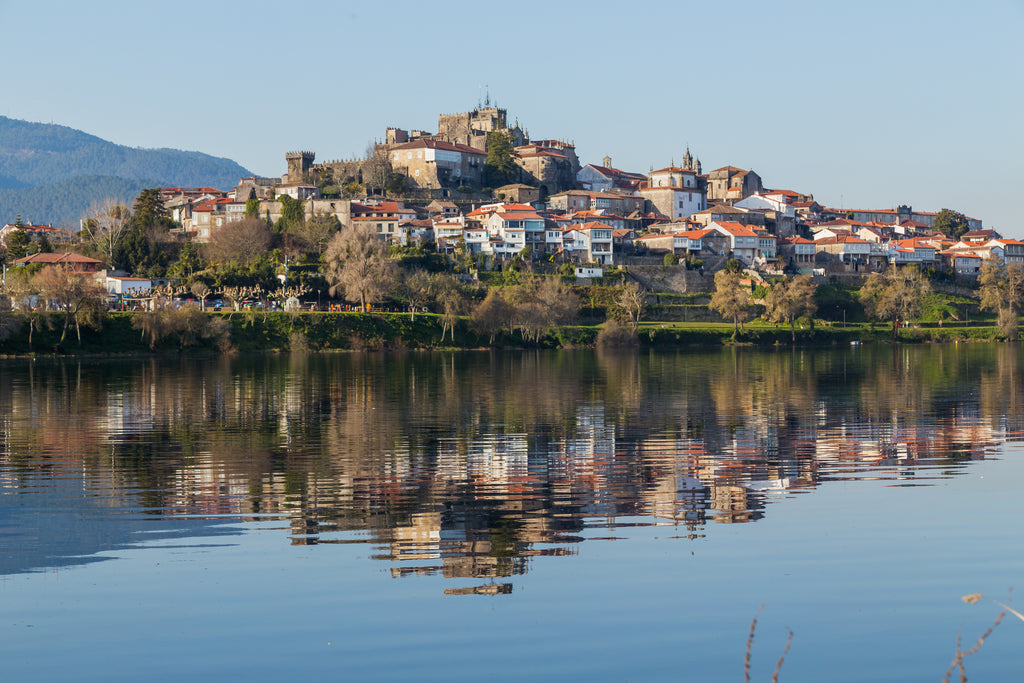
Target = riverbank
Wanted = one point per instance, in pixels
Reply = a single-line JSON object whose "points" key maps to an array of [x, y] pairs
{"points": [[252, 331]]}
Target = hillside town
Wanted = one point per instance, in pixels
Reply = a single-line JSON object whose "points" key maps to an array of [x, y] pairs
{"points": [[481, 195]]}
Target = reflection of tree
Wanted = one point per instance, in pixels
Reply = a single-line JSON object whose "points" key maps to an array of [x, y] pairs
{"points": [[466, 465]]}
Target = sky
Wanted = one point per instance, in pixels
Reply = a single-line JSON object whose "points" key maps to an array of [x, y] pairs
{"points": [[862, 104]]}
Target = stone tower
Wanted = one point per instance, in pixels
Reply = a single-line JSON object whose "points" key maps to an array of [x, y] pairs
{"points": [[299, 165]]}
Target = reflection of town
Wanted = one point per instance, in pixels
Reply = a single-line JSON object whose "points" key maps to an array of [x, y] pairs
{"points": [[469, 465]]}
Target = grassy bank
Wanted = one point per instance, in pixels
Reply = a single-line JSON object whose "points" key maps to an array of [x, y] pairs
{"points": [[252, 331]]}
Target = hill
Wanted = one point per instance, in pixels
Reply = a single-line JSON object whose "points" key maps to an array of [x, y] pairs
{"points": [[62, 204], [50, 173]]}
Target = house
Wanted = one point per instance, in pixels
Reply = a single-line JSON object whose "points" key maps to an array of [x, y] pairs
{"points": [[845, 249], [517, 224], [911, 251], [732, 184], [598, 245], [780, 216], [300, 191], [725, 212], [980, 236], [570, 200], [961, 263], [434, 164], [549, 165], [36, 232], [623, 237], [616, 202], [210, 214], [674, 191], [448, 229], [588, 272], [440, 207], [1013, 250], [418, 231], [518, 192], [744, 243], [75, 262], [894, 216], [797, 251], [580, 217], [604, 178]]}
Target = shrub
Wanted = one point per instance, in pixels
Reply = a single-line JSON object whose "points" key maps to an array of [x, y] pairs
{"points": [[616, 334]]}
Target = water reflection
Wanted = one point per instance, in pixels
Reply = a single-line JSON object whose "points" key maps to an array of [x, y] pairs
{"points": [[468, 465]]}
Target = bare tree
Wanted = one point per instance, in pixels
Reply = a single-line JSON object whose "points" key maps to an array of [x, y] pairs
{"points": [[542, 303], [317, 232], [632, 299], [789, 299], [201, 290], [357, 265], [898, 295], [1002, 289], [450, 300], [77, 294], [240, 241], [377, 169], [493, 314], [417, 288], [105, 223]]}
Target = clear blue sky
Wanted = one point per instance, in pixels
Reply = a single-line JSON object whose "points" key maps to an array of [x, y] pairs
{"points": [[865, 104]]}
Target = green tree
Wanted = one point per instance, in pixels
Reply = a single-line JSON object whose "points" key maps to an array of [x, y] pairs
{"points": [[397, 184], [897, 295], [252, 207], [731, 299], [1001, 289], [18, 242], [189, 261], [500, 167], [149, 211], [951, 223], [43, 246], [134, 251], [293, 214]]}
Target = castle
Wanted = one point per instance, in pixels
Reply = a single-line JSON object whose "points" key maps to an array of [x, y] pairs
{"points": [[453, 157]]}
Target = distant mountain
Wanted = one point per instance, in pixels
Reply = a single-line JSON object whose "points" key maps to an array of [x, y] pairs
{"points": [[50, 173], [62, 204]]}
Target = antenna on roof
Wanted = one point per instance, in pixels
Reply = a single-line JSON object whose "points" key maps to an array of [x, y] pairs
{"points": [[487, 100]]}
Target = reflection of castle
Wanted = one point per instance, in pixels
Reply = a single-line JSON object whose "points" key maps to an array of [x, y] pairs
{"points": [[510, 458]]}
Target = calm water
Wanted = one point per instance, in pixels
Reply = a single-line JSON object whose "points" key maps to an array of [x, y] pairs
{"points": [[510, 515]]}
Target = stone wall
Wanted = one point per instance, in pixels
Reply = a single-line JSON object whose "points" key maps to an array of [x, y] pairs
{"points": [[672, 279]]}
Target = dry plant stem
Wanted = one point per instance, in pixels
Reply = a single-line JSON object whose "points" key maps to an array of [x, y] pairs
{"points": [[750, 643], [975, 597], [782, 658], [958, 660]]}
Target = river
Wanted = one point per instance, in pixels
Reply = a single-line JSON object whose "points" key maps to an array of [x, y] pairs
{"points": [[502, 515]]}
